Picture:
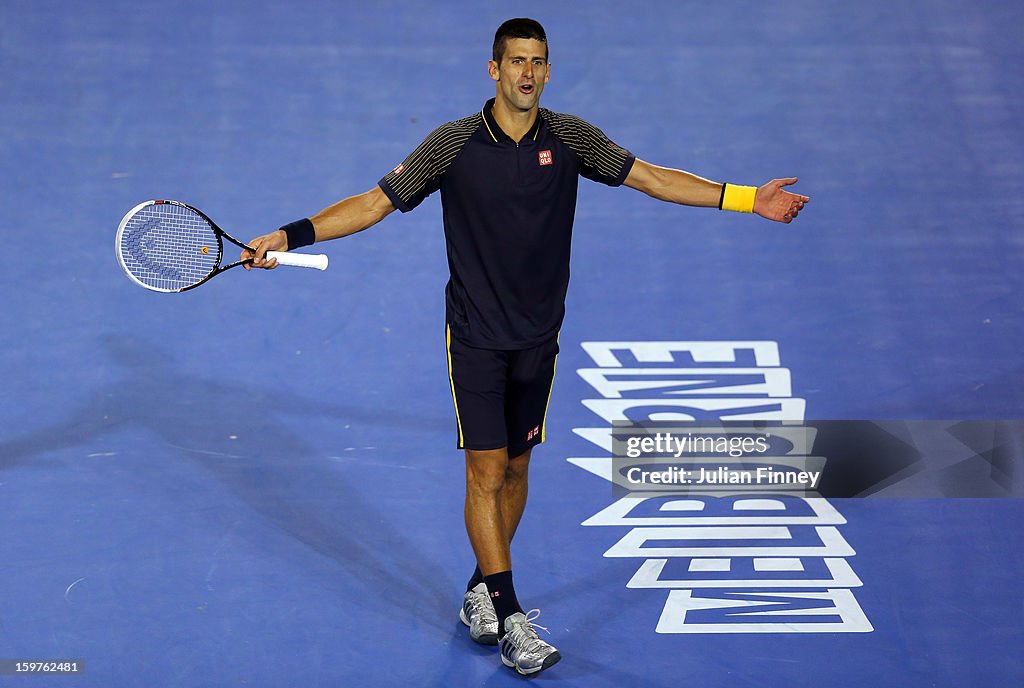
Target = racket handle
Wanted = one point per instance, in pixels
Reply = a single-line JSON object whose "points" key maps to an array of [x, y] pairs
{"points": [[300, 260]]}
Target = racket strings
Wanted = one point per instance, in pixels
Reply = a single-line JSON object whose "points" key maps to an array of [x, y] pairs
{"points": [[169, 247]]}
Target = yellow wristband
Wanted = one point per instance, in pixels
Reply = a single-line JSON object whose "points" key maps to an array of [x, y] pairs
{"points": [[738, 198]]}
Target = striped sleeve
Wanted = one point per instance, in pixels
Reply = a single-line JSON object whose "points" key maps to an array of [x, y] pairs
{"points": [[601, 159], [420, 174]]}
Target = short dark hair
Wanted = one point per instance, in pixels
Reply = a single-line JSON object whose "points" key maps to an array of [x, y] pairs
{"points": [[517, 28]]}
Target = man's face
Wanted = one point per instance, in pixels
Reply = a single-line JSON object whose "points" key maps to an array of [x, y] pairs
{"points": [[522, 73]]}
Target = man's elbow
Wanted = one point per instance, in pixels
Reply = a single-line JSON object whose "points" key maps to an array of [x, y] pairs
{"points": [[377, 204], [654, 181], [659, 185]]}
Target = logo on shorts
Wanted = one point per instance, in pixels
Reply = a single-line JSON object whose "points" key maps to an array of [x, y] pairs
{"points": [[533, 433], [398, 170], [545, 157]]}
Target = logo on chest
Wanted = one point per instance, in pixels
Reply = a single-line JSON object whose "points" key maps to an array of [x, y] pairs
{"points": [[544, 157]]}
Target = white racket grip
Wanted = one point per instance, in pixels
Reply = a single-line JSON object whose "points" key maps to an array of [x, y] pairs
{"points": [[300, 260]]}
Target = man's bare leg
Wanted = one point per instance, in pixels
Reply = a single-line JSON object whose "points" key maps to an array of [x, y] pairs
{"points": [[513, 496], [485, 509], [486, 473]]}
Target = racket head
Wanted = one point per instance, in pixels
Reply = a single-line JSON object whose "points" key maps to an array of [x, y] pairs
{"points": [[168, 246]]}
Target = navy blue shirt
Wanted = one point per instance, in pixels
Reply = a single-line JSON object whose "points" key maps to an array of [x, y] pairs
{"points": [[508, 213]]}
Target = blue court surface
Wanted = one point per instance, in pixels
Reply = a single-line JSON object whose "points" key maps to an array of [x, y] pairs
{"points": [[255, 483]]}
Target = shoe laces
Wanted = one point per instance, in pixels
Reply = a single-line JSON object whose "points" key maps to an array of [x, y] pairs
{"points": [[527, 626], [482, 607]]}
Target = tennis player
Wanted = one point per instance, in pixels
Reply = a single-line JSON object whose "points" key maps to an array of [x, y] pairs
{"points": [[508, 177]]}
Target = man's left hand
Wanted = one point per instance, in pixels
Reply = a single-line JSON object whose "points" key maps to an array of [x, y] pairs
{"points": [[774, 203]]}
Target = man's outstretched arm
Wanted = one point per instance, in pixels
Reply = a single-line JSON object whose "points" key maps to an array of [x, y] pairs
{"points": [[348, 216], [676, 186]]}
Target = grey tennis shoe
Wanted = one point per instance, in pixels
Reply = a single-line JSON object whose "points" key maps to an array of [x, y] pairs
{"points": [[521, 647], [478, 613]]}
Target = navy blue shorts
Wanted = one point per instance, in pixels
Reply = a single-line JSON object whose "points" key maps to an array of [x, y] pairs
{"points": [[501, 397]]}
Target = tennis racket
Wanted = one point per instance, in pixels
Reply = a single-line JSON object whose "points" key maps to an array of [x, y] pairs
{"points": [[169, 246]]}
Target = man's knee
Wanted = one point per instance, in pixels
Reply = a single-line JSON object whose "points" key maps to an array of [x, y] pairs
{"points": [[518, 467], [486, 470]]}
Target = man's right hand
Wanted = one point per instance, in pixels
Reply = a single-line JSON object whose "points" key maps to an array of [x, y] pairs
{"points": [[275, 241]]}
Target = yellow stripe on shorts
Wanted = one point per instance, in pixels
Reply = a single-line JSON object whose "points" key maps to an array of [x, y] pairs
{"points": [[448, 346], [554, 369]]}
